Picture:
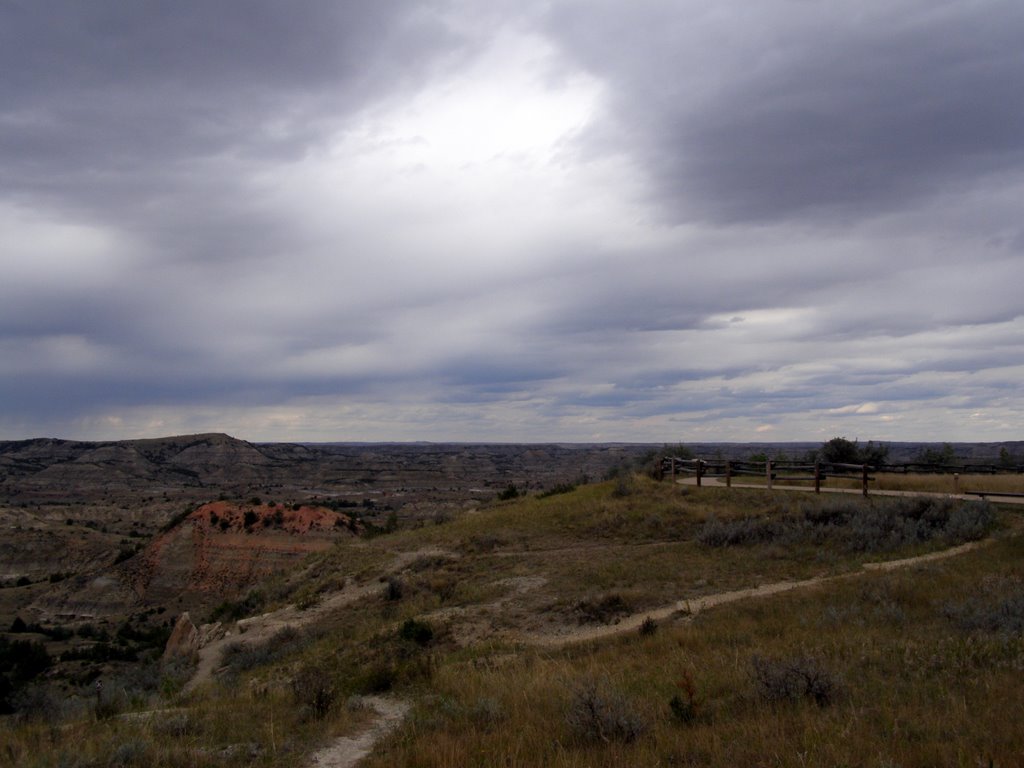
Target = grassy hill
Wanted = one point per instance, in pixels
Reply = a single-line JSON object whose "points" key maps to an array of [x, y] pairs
{"points": [[623, 623]]}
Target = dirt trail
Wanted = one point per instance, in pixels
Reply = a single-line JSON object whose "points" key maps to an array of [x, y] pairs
{"points": [[691, 607], [260, 628], [347, 751]]}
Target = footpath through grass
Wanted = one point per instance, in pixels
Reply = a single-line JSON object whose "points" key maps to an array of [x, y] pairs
{"points": [[912, 668], [873, 671]]}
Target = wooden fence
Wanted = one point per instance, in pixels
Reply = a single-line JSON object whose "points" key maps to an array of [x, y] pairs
{"points": [[817, 472]]}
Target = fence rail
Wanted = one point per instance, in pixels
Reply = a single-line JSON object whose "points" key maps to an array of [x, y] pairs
{"points": [[802, 471]]}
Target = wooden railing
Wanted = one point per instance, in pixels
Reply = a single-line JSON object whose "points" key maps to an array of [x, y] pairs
{"points": [[818, 471]]}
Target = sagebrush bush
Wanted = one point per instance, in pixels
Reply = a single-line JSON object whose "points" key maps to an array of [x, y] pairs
{"points": [[131, 753], [997, 608], [746, 530], [240, 657], [602, 610], [857, 526], [598, 713], [793, 679], [314, 691]]}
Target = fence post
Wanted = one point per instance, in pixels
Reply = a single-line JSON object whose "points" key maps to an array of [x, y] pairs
{"points": [[956, 483], [673, 460], [864, 478], [728, 474], [817, 477], [700, 471], [768, 472]]}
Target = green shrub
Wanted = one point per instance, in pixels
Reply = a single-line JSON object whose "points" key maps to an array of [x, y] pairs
{"points": [[510, 492], [419, 632], [377, 677], [557, 490], [395, 589], [648, 627]]}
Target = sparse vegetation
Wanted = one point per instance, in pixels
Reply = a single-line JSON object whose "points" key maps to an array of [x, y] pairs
{"points": [[233, 610], [314, 691], [879, 525], [449, 613], [557, 490]]}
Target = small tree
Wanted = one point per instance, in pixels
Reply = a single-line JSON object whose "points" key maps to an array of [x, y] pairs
{"points": [[511, 492], [945, 455], [839, 450], [1006, 459]]}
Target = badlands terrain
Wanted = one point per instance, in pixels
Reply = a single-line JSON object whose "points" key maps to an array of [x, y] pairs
{"points": [[243, 604]]}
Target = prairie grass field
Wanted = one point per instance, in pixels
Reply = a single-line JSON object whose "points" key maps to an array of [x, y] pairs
{"points": [[516, 632]]}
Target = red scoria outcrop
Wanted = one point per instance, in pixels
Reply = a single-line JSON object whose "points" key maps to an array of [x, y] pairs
{"points": [[218, 552], [222, 548]]}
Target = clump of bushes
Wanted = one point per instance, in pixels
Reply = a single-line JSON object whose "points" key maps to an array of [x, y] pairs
{"points": [[240, 657], [596, 712], [314, 691], [233, 610], [557, 490], [794, 679], [602, 610], [419, 632], [742, 532], [510, 492], [858, 526], [131, 753], [395, 589], [999, 611], [21, 661]]}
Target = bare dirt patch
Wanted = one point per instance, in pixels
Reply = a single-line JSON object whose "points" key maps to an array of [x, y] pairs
{"points": [[347, 751]]}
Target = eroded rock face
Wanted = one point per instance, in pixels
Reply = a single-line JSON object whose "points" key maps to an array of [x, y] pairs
{"points": [[187, 639], [218, 552], [184, 639], [223, 548], [36, 550], [86, 598]]}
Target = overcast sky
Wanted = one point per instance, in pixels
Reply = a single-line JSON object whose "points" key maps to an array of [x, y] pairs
{"points": [[578, 220]]}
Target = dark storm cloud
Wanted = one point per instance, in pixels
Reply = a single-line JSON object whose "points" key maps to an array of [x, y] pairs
{"points": [[750, 112], [570, 220], [110, 104]]}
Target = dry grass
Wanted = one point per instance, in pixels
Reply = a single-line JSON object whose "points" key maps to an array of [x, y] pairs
{"points": [[915, 684], [917, 689], [220, 729]]}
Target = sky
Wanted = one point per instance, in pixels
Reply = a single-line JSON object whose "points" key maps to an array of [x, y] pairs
{"points": [[551, 221]]}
